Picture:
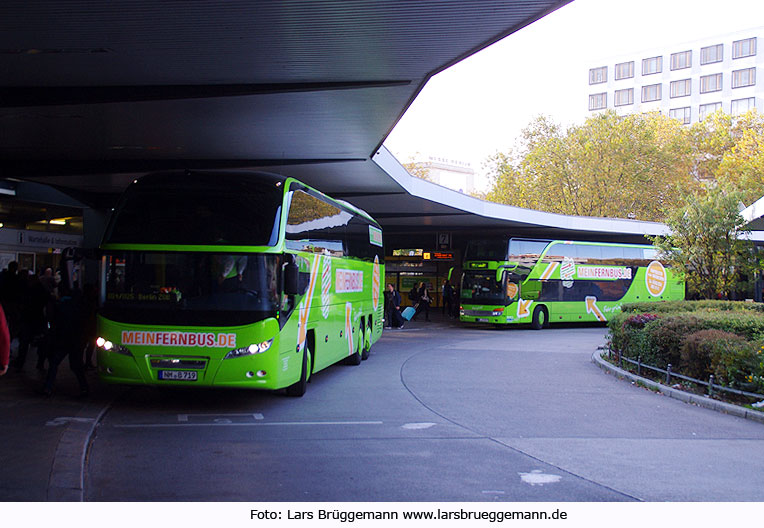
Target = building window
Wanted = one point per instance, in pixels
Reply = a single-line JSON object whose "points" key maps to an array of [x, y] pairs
{"points": [[684, 115], [598, 75], [681, 88], [598, 101], [624, 70], [711, 54], [711, 83], [745, 77], [681, 60], [708, 109], [652, 65], [741, 106], [624, 97], [744, 48], [651, 93]]}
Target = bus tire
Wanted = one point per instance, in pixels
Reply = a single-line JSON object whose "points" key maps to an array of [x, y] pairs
{"points": [[297, 390], [366, 342], [355, 358], [540, 318]]}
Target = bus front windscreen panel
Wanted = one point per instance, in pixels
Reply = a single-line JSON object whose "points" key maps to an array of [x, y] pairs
{"points": [[174, 288]]}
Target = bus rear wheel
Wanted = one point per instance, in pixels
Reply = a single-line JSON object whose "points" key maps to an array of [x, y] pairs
{"points": [[297, 390], [540, 318], [355, 358]]}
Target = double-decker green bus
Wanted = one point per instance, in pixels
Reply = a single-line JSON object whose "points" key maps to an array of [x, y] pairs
{"points": [[233, 279], [519, 280]]}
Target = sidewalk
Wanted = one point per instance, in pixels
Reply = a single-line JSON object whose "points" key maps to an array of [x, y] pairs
{"points": [[44, 439]]}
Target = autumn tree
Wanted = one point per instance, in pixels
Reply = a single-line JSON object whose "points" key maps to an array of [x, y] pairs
{"points": [[611, 166], [707, 243], [418, 169], [729, 150]]}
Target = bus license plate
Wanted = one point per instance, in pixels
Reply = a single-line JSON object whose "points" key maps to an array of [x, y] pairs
{"points": [[177, 375], [482, 320]]}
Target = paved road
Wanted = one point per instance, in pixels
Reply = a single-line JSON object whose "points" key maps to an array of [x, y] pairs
{"points": [[438, 413]]}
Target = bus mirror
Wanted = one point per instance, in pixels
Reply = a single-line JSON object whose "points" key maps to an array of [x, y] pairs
{"points": [[291, 279]]}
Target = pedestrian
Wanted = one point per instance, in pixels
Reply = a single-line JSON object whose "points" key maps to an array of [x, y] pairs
{"points": [[448, 298], [414, 295], [423, 305], [67, 331], [34, 300], [394, 315], [10, 295], [5, 343]]}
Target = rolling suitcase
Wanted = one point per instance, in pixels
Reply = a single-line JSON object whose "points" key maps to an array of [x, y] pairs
{"points": [[408, 313]]}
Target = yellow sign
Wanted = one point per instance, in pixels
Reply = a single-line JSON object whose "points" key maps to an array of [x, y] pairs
{"points": [[426, 256], [655, 278], [512, 290]]}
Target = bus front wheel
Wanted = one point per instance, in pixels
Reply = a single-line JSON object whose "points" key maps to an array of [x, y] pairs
{"points": [[297, 390], [540, 318]]}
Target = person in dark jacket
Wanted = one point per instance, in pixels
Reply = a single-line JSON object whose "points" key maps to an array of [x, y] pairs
{"points": [[66, 337], [393, 316], [5, 343], [423, 304]]}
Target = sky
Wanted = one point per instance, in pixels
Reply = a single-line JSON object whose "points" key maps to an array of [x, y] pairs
{"points": [[479, 106]]}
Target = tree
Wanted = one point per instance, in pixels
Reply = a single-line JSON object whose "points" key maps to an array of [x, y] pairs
{"points": [[708, 243], [613, 166], [418, 169]]}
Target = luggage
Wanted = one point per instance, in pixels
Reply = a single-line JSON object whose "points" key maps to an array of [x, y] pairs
{"points": [[408, 313]]}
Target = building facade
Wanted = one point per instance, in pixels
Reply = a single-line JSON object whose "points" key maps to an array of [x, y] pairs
{"points": [[687, 82], [451, 173]]}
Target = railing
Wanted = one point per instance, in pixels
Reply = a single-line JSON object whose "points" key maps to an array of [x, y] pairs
{"points": [[669, 375]]}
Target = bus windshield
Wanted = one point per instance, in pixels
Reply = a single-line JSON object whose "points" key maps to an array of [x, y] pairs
{"points": [[491, 249], [482, 287], [190, 288], [194, 210]]}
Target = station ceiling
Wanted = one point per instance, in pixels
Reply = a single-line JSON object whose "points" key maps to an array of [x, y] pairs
{"points": [[94, 93]]}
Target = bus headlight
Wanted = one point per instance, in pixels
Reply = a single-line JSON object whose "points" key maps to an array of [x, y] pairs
{"points": [[108, 346], [255, 348]]}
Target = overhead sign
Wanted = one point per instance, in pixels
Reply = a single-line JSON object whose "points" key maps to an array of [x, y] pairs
{"points": [[439, 255]]}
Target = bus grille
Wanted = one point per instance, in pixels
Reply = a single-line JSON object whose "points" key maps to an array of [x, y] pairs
{"points": [[478, 313], [177, 363]]}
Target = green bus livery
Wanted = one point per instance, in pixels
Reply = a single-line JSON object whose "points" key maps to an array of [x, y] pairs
{"points": [[510, 281], [235, 279]]}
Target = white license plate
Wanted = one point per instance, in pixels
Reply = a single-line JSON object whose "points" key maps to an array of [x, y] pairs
{"points": [[177, 375]]}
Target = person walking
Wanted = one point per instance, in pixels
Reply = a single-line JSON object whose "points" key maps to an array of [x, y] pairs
{"points": [[394, 315], [447, 298], [5, 343], [34, 301], [423, 304], [66, 337]]}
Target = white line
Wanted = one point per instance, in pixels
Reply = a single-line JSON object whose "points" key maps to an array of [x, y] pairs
{"points": [[243, 424], [184, 417]]}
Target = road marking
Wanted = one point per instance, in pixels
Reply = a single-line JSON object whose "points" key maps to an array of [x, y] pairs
{"points": [[539, 478], [422, 425], [63, 420], [242, 424], [184, 417], [493, 492]]}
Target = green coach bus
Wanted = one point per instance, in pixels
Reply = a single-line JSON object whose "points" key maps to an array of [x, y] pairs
{"points": [[519, 280], [235, 279]]}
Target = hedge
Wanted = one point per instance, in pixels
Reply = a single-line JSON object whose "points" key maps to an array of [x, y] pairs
{"points": [[697, 338]]}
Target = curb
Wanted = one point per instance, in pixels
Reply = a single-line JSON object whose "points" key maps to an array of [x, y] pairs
{"points": [[67, 475], [687, 397]]}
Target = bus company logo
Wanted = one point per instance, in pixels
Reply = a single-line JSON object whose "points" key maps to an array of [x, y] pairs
{"points": [[603, 272], [348, 281], [655, 278], [178, 339], [567, 272], [375, 283], [326, 286]]}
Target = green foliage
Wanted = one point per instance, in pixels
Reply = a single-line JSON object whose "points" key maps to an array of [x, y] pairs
{"points": [[634, 166], [697, 338], [692, 306], [610, 166], [703, 348], [708, 245]]}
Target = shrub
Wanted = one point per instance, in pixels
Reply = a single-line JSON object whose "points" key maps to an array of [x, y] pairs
{"points": [[738, 365], [701, 351], [665, 338], [693, 306]]}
